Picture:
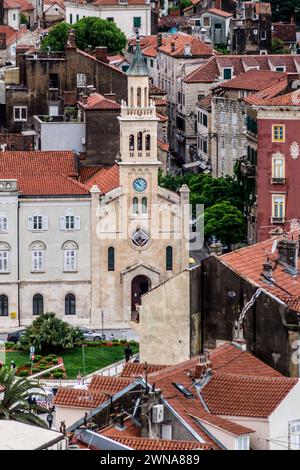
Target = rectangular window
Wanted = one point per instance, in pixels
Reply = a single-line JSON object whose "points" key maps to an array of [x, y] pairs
{"points": [[263, 35], [53, 81], [38, 222], [206, 21], [71, 18], [278, 167], [204, 146], [4, 265], [69, 222], [81, 80], [70, 260], [38, 260], [242, 443], [77, 17], [278, 133], [234, 119], [20, 113], [223, 117], [110, 19], [137, 22], [278, 211], [227, 74], [204, 120], [3, 223]]}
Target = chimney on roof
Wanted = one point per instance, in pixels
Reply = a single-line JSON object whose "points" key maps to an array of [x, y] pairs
{"points": [[267, 271], [101, 54], [288, 255], [187, 50], [173, 46], [111, 96], [238, 336], [71, 41]]}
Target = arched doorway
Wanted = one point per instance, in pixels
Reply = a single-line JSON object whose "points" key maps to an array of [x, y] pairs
{"points": [[139, 286]]}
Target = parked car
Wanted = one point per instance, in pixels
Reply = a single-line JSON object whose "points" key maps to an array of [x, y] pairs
{"points": [[15, 336], [91, 335]]}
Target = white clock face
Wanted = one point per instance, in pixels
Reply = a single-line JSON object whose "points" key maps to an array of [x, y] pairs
{"points": [[139, 185]]}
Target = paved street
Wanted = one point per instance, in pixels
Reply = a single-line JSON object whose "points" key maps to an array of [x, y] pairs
{"points": [[118, 334]]}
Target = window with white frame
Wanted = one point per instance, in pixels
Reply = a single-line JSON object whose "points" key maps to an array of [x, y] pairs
{"points": [[278, 206], [37, 222], [81, 80], [38, 256], [4, 257], [3, 223], [70, 256], [69, 221], [278, 170], [242, 443], [20, 113]]}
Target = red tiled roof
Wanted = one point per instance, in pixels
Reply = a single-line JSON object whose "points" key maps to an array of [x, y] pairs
{"points": [[78, 398], [254, 80], [180, 40], [97, 101], [164, 146], [87, 172], [25, 5], [288, 99], [248, 263], [262, 96], [218, 12], [111, 2], [110, 385], [91, 57], [140, 443], [130, 430], [106, 179], [136, 369], [161, 117], [210, 71], [42, 173], [9, 4], [245, 396], [205, 102]]}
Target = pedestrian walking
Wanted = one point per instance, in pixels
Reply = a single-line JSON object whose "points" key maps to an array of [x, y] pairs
{"points": [[12, 365], [50, 420], [128, 352], [62, 427]]}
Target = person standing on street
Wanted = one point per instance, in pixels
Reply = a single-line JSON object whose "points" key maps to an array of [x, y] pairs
{"points": [[128, 352], [50, 420]]}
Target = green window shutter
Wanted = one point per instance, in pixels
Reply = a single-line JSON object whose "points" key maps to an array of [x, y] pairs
{"points": [[137, 22]]}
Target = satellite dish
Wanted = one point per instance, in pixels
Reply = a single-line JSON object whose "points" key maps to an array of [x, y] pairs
{"points": [[274, 246]]}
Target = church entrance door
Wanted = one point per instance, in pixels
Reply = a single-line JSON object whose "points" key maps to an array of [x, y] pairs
{"points": [[139, 286]]}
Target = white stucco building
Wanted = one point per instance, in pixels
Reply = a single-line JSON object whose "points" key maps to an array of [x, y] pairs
{"points": [[127, 14]]}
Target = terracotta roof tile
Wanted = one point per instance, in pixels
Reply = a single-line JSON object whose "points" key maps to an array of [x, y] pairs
{"points": [[254, 80], [97, 101], [130, 430], [210, 71], [110, 385], [42, 173], [180, 40], [79, 398], [248, 263], [271, 91], [218, 12], [136, 369], [164, 146], [87, 171], [106, 179], [140, 443], [244, 395]]}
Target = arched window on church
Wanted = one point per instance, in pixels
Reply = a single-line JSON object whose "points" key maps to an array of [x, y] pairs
{"points": [[135, 205], [111, 259], [169, 258], [148, 141], [140, 141], [144, 205], [131, 97], [145, 97], [131, 142], [139, 97]]}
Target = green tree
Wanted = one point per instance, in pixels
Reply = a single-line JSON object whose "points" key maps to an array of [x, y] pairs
{"points": [[93, 32], [51, 334], [225, 222], [16, 402], [184, 4], [278, 47], [284, 10], [56, 39], [90, 32]]}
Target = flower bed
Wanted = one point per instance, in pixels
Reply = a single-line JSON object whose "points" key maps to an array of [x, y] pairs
{"points": [[43, 363]]}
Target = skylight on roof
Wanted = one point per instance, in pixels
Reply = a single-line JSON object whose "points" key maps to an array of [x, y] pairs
{"points": [[183, 390]]}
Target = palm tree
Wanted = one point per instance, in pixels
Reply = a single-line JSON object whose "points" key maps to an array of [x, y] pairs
{"points": [[16, 404]]}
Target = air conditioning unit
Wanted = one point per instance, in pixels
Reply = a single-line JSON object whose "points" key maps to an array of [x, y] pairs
{"points": [[83, 141], [158, 413]]}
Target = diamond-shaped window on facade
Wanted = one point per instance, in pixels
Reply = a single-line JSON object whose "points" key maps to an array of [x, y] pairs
{"points": [[140, 238]]}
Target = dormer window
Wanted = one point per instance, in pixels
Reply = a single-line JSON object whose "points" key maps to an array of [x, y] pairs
{"points": [[227, 73], [280, 68]]}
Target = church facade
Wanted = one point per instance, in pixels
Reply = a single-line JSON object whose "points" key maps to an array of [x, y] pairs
{"points": [[139, 230]]}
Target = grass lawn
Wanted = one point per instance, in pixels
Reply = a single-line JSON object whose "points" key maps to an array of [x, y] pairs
{"points": [[95, 358]]}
